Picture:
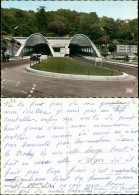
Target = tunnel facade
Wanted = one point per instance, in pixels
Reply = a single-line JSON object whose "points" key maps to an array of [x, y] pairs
{"points": [[78, 44]]}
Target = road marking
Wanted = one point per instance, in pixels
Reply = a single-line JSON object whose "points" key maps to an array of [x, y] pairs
{"points": [[3, 82], [16, 82], [13, 81], [32, 90], [23, 92], [129, 90]]}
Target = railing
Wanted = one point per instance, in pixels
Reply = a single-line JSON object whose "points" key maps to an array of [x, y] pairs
{"points": [[48, 38], [58, 38]]}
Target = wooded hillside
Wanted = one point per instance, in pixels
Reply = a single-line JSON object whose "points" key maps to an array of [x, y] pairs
{"points": [[68, 23]]}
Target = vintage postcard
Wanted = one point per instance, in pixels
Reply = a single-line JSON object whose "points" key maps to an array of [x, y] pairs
{"points": [[69, 97], [69, 49], [69, 146]]}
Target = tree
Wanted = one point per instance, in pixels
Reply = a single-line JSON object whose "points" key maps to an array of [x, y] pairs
{"points": [[56, 26], [123, 32], [12, 41], [76, 19], [89, 25], [116, 42], [71, 20], [108, 24], [50, 34], [133, 26], [104, 50], [104, 40], [3, 44], [8, 20], [112, 47], [29, 22], [4, 33], [41, 19]]}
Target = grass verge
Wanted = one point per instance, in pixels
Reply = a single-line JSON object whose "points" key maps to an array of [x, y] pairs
{"points": [[71, 66]]}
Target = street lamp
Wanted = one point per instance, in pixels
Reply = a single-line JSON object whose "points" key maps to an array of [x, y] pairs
{"points": [[14, 29], [133, 36], [12, 41], [103, 30], [105, 49]]}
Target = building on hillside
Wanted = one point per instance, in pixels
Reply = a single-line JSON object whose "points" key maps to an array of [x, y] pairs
{"points": [[126, 49]]}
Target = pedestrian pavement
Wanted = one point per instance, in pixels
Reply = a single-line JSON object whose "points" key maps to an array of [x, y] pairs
{"points": [[121, 63], [112, 61], [19, 58]]}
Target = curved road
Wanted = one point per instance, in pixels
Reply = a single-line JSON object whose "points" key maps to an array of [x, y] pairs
{"points": [[17, 82]]}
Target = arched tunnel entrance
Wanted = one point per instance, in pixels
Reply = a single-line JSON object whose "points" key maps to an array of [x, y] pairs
{"points": [[76, 49], [36, 43], [42, 48], [80, 44]]}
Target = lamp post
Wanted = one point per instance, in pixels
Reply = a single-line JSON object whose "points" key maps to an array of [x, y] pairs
{"points": [[103, 30], [104, 49], [133, 36], [12, 41], [105, 45]]}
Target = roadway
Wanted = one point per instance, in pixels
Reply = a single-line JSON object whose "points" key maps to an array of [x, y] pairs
{"points": [[17, 82]]}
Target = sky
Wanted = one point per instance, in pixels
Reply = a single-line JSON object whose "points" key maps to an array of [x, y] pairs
{"points": [[114, 9]]}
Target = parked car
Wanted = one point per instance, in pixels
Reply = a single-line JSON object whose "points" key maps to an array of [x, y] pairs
{"points": [[34, 57]]}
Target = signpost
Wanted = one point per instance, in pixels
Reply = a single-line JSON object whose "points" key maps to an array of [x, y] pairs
{"points": [[98, 60], [39, 55]]}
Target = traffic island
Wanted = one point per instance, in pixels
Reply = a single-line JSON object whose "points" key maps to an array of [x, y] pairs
{"points": [[72, 66], [60, 68]]}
